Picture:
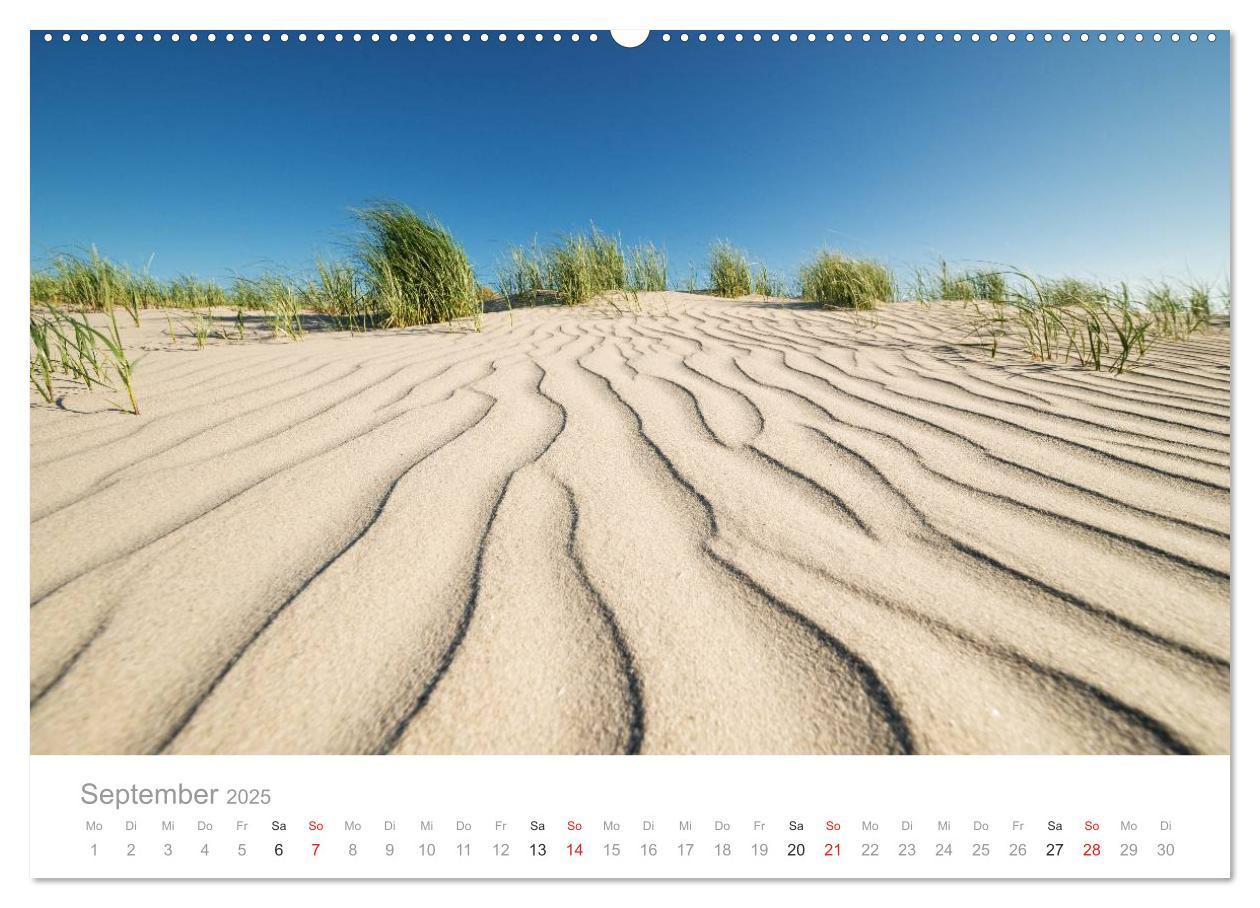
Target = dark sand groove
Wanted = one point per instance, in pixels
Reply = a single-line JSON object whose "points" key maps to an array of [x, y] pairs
{"points": [[1007, 440], [275, 613], [633, 687], [930, 404], [676, 525]]}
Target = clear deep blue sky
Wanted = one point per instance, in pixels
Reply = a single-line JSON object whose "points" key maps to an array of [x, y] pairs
{"points": [[1111, 160]]}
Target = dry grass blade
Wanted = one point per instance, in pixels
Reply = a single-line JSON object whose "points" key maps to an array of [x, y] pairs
{"points": [[122, 364]]}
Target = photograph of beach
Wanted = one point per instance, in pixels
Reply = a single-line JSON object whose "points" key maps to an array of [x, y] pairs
{"points": [[540, 395]]}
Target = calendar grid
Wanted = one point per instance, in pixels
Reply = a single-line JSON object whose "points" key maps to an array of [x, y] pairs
{"points": [[592, 817]]}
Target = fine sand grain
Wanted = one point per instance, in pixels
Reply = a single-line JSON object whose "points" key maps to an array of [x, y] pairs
{"points": [[702, 526]]}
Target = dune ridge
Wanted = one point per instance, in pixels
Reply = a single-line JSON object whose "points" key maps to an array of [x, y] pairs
{"points": [[689, 525]]}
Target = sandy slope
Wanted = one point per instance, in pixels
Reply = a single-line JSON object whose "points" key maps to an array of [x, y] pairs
{"points": [[708, 527]]}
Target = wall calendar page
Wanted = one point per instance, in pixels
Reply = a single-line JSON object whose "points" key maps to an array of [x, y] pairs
{"points": [[541, 450]]}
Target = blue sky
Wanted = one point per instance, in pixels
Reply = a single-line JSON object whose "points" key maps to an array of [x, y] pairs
{"points": [[1103, 159]]}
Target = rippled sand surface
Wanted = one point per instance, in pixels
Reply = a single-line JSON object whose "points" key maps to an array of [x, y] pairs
{"points": [[697, 527]]}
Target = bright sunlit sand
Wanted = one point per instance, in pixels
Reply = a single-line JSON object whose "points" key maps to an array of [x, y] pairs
{"points": [[690, 525]]}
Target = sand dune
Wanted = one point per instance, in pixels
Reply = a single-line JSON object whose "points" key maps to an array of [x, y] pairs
{"points": [[702, 527]]}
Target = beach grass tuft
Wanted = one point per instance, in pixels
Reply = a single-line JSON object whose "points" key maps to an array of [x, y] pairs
{"points": [[580, 267], [523, 274], [765, 283], [416, 272], [584, 265], [835, 280], [336, 291], [648, 268], [1087, 322], [690, 283], [66, 342], [87, 281], [730, 275], [945, 284], [276, 295], [199, 327]]}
